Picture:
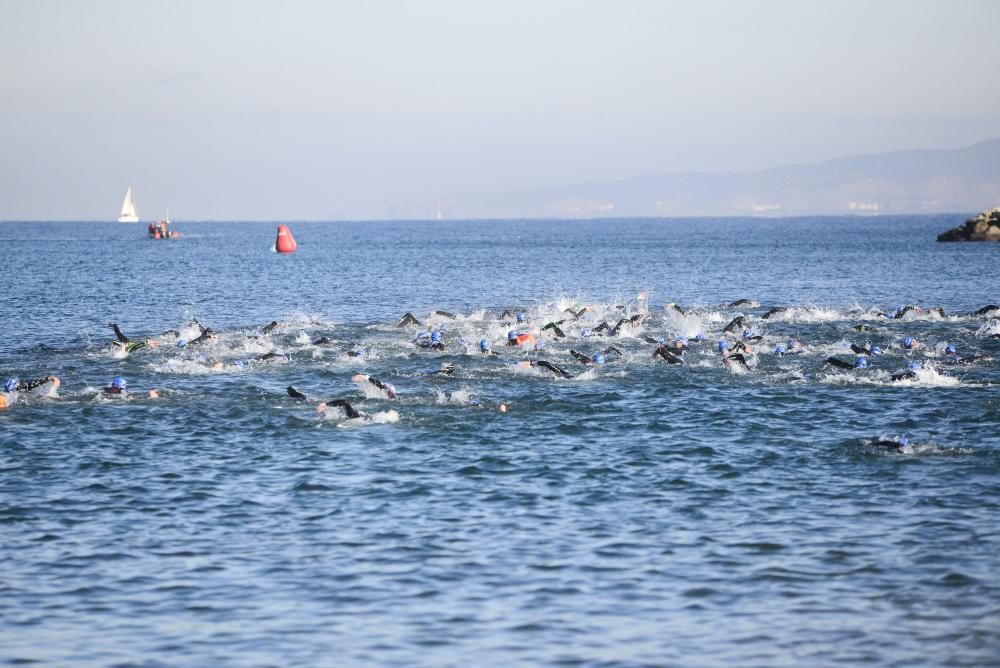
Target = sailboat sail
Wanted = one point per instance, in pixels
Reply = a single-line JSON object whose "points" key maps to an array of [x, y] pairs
{"points": [[129, 214]]}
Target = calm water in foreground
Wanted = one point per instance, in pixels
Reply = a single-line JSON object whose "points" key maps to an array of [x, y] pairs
{"points": [[637, 513]]}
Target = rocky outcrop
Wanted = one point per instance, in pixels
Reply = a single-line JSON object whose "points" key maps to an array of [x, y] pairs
{"points": [[984, 227]]}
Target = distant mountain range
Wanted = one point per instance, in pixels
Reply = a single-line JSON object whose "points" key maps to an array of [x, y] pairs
{"points": [[923, 181]]}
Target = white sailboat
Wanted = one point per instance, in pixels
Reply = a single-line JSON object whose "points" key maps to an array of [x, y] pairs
{"points": [[129, 214]]}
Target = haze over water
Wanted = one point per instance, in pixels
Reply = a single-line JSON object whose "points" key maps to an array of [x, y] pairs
{"points": [[637, 513]]}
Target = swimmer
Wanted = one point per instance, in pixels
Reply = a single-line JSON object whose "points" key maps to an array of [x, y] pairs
{"points": [[445, 370], [206, 335], [323, 341], [989, 309], [676, 309], [407, 319], [484, 347], [774, 311], [752, 303], [387, 388], [126, 343], [911, 343], [545, 364], [667, 356], [861, 350], [117, 387], [596, 358], [329, 403], [952, 354], [267, 329], [903, 310], [737, 323], [517, 340], [748, 335], [862, 328], [15, 384], [909, 374], [554, 326], [896, 444], [859, 363], [577, 311], [444, 314], [434, 342]]}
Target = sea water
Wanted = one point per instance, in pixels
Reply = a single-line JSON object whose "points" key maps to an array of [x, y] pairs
{"points": [[635, 513]]}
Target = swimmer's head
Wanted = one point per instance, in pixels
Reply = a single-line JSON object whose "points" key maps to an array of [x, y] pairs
{"points": [[435, 336], [746, 333], [239, 364], [700, 336], [681, 341], [598, 358], [521, 317], [11, 384], [903, 440], [359, 352], [512, 335], [390, 389], [908, 342], [484, 345], [913, 366], [876, 350], [585, 332], [722, 345], [791, 343], [181, 343], [118, 382], [860, 363], [779, 350], [950, 349]]}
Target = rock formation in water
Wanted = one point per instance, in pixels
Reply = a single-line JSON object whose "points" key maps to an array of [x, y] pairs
{"points": [[984, 227]]}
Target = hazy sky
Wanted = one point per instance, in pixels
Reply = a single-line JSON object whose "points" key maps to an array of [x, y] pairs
{"points": [[332, 110]]}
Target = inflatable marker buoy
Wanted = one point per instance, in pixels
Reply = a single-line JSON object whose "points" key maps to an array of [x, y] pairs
{"points": [[285, 243]]}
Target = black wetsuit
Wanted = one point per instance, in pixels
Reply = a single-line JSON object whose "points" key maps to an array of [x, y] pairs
{"points": [[29, 385], [895, 446], [676, 308], [743, 302], [580, 357], [860, 350], [269, 328], [340, 403], [323, 341], [986, 310], [429, 345], [666, 355], [206, 334], [554, 326], [774, 311], [124, 341], [382, 386], [739, 359], [450, 316], [407, 319], [840, 364], [739, 322], [545, 364]]}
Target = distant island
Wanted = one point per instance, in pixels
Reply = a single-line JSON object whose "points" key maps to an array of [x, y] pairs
{"points": [[923, 181], [984, 227]]}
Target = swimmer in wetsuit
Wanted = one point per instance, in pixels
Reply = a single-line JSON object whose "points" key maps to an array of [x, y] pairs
{"points": [[329, 403], [737, 323], [387, 388], [545, 364], [667, 356], [752, 303], [15, 384], [894, 444], [126, 343], [407, 319], [774, 311], [554, 326], [859, 363], [861, 350], [433, 344], [484, 347]]}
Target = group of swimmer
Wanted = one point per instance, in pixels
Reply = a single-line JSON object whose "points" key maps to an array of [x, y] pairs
{"points": [[737, 348]]}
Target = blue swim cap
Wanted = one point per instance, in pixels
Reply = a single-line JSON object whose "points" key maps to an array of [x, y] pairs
{"points": [[779, 350], [540, 345], [722, 344], [860, 363], [435, 337], [359, 352], [661, 339], [521, 317], [950, 348], [791, 343], [511, 335], [908, 342], [118, 382], [11, 384], [598, 358], [876, 350], [423, 335], [903, 440], [681, 340], [585, 332], [700, 336], [913, 366], [181, 343], [239, 364], [484, 344], [746, 333]]}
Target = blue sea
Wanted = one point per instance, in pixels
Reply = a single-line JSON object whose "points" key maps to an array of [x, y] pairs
{"points": [[631, 513]]}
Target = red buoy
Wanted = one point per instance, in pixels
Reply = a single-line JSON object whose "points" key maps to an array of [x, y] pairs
{"points": [[285, 243]]}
